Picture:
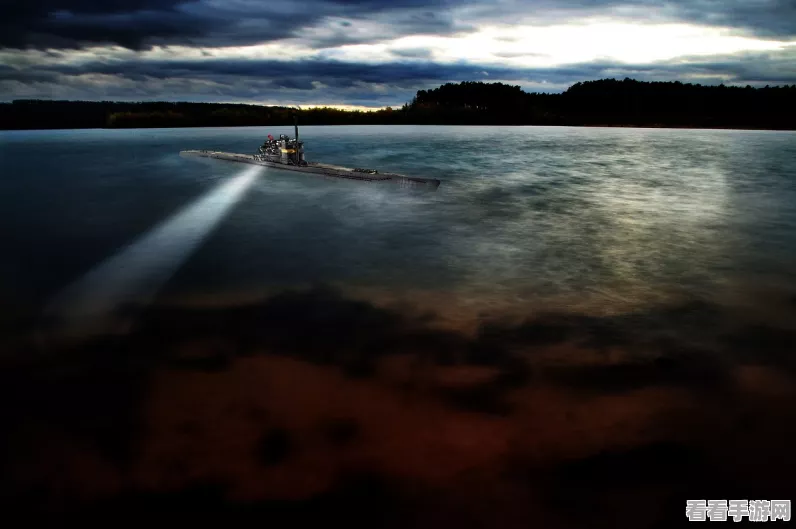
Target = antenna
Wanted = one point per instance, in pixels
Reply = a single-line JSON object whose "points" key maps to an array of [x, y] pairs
{"points": [[295, 124]]}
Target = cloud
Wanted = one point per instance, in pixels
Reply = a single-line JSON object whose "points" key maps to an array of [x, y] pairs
{"points": [[269, 81], [70, 23], [320, 81], [771, 18], [412, 53], [140, 24], [379, 52], [765, 18]]}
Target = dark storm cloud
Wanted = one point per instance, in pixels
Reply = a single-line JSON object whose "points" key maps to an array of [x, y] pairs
{"points": [[309, 81], [769, 18], [773, 18], [139, 24], [259, 80], [68, 23], [293, 83], [771, 67], [333, 82], [325, 71], [741, 67]]}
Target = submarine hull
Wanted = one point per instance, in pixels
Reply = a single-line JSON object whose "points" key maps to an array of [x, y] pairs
{"points": [[319, 169]]}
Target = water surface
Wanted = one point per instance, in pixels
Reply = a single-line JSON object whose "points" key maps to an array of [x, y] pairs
{"points": [[526, 216], [576, 319]]}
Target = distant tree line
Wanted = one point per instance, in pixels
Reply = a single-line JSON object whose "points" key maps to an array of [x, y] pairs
{"points": [[607, 102]]}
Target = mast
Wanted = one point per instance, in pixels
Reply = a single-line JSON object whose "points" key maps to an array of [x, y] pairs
{"points": [[295, 124], [296, 111]]}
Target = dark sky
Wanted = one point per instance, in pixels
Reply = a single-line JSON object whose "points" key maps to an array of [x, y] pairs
{"points": [[375, 53]]}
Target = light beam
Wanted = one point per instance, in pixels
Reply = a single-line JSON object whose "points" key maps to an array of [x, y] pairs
{"points": [[133, 276]]}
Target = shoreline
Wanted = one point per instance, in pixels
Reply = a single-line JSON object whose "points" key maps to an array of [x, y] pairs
{"points": [[591, 126]]}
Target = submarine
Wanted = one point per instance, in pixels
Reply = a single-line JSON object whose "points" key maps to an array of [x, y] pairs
{"points": [[288, 154]]}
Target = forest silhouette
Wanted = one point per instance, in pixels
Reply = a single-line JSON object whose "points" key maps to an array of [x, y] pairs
{"points": [[607, 102]]}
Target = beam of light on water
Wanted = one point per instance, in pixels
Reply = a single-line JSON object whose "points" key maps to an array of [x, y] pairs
{"points": [[134, 275]]}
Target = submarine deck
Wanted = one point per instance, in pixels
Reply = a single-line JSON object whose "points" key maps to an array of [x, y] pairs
{"points": [[321, 169]]}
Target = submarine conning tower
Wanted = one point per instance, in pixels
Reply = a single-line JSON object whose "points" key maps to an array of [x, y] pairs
{"points": [[284, 150]]}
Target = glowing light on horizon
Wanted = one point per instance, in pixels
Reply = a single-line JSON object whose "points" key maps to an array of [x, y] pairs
{"points": [[134, 275], [517, 45], [561, 44]]}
